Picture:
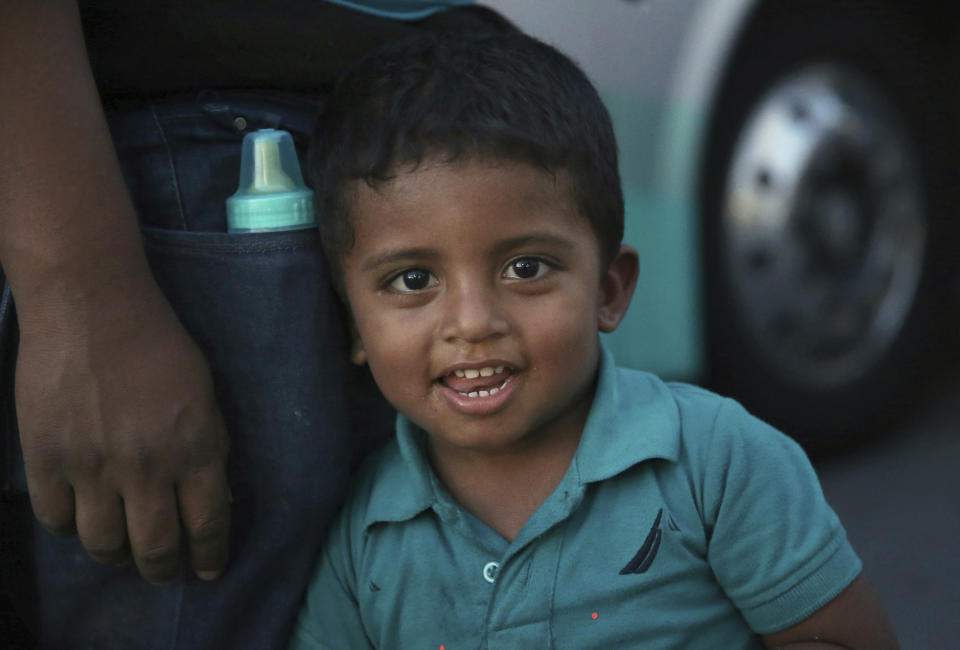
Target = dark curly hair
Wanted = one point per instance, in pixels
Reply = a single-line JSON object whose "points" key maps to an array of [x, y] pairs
{"points": [[502, 95]]}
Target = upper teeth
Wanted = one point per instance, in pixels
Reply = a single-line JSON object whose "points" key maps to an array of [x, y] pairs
{"points": [[473, 373]]}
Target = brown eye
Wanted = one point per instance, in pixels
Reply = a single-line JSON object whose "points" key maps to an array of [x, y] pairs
{"points": [[412, 280], [526, 268]]}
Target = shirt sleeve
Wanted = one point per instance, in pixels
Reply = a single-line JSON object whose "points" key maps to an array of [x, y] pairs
{"points": [[776, 547], [330, 616]]}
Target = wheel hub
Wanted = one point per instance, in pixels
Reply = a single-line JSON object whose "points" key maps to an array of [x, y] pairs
{"points": [[823, 226]]}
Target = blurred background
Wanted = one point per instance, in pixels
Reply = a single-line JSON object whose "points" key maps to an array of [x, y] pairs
{"points": [[789, 169]]}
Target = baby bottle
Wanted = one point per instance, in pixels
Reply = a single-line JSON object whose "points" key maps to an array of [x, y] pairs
{"points": [[271, 195]]}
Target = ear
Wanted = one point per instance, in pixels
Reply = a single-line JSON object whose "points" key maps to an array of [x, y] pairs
{"points": [[616, 288], [358, 354]]}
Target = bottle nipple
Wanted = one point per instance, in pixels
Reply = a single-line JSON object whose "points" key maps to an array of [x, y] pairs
{"points": [[268, 174]]}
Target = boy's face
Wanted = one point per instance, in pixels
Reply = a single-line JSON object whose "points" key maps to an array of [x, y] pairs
{"points": [[477, 292]]}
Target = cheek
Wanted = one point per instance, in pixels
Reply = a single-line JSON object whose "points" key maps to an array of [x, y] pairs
{"points": [[394, 353], [389, 371], [562, 329], [386, 347], [569, 311]]}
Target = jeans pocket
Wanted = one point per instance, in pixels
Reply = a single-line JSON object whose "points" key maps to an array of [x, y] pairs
{"points": [[261, 308]]}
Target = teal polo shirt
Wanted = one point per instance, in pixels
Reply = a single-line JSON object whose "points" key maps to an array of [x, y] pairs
{"points": [[682, 522]]}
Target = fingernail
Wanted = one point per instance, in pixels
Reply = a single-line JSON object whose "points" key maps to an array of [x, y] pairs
{"points": [[208, 575]]}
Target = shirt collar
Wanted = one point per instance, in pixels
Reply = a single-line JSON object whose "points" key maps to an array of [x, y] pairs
{"points": [[633, 418], [404, 484]]}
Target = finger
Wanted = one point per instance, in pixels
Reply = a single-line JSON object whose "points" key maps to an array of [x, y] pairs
{"points": [[204, 499], [101, 525], [154, 532], [53, 503]]}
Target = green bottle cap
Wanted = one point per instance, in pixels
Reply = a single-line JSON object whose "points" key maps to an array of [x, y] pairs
{"points": [[271, 194]]}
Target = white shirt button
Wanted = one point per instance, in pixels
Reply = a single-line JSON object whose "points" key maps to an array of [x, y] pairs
{"points": [[490, 570]]}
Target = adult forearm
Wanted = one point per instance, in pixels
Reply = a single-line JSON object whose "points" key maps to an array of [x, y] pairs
{"points": [[67, 226], [122, 439]]}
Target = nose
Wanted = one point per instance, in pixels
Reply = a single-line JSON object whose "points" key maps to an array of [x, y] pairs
{"points": [[472, 312]]}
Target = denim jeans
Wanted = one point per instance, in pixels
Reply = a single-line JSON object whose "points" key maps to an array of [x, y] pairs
{"points": [[298, 415]]}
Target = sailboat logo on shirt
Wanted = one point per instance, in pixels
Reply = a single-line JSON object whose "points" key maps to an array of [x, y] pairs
{"points": [[645, 556]]}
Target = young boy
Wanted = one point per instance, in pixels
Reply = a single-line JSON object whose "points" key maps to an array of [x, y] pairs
{"points": [[538, 496]]}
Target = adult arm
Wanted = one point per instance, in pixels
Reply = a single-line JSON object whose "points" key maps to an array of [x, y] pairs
{"points": [[122, 439]]}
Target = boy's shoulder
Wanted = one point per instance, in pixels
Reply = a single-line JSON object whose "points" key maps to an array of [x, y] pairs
{"points": [[392, 484], [699, 427], [691, 400], [699, 411]]}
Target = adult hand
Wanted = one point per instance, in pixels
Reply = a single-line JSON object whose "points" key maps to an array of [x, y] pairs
{"points": [[122, 438]]}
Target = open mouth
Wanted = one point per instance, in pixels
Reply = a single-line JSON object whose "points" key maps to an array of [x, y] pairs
{"points": [[479, 382]]}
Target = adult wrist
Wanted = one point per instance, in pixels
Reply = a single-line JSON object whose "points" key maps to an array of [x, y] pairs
{"points": [[75, 294]]}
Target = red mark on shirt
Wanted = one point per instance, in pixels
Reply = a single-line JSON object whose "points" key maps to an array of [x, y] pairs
{"points": [[595, 616]]}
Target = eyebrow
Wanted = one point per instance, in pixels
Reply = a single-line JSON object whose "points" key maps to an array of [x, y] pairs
{"points": [[393, 255], [534, 239]]}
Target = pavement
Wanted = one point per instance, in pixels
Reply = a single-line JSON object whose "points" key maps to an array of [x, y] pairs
{"points": [[899, 500]]}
